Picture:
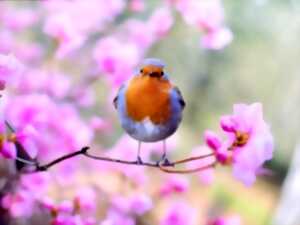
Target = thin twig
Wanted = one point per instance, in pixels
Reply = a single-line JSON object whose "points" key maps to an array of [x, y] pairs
{"points": [[60, 159], [9, 126], [137, 163], [193, 158], [185, 171]]}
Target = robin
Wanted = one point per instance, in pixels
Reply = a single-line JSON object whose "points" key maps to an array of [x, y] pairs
{"points": [[149, 106]]}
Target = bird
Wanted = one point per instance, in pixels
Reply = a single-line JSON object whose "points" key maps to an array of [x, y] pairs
{"points": [[149, 106]]}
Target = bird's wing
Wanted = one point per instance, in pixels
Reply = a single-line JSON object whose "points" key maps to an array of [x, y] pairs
{"points": [[115, 101], [180, 98]]}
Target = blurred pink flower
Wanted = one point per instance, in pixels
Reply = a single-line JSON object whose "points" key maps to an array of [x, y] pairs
{"points": [[85, 200], [125, 148], [140, 204], [7, 41], [10, 68], [18, 19], [100, 124], [207, 14], [226, 220], [179, 213], [160, 22], [50, 120], [19, 204], [8, 150], [174, 184], [62, 28], [217, 39], [137, 5], [209, 17], [205, 176], [114, 217], [137, 204], [139, 33], [97, 14], [116, 59], [36, 183]]}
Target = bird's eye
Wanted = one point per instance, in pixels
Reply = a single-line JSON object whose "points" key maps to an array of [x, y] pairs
{"points": [[162, 73], [142, 71]]}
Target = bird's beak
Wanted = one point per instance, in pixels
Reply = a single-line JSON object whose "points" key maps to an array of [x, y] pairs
{"points": [[155, 74]]}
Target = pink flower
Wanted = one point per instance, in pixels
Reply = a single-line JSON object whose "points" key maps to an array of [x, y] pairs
{"points": [[179, 213], [174, 184], [137, 5], [37, 183], [85, 200], [212, 140], [140, 204], [217, 39], [205, 14], [100, 125], [116, 59], [62, 28], [209, 17], [10, 68], [160, 22], [115, 217], [205, 176], [8, 150], [226, 220], [19, 19], [19, 204], [139, 33], [249, 140]]}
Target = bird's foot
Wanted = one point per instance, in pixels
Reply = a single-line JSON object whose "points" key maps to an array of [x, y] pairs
{"points": [[164, 161], [139, 160]]}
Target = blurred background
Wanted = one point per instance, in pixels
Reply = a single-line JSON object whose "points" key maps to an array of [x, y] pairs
{"points": [[259, 64]]}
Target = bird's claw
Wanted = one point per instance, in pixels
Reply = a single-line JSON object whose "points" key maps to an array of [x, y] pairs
{"points": [[164, 161], [139, 160]]}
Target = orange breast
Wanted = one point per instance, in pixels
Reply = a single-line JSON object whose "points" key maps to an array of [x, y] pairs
{"points": [[148, 97]]}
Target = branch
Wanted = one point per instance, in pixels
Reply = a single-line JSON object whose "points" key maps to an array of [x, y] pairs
{"points": [[84, 151]]}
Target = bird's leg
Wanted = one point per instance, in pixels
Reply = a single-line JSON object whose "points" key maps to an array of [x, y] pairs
{"points": [[139, 159], [164, 159]]}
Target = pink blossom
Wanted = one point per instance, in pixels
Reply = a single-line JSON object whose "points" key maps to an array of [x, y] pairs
{"points": [[18, 19], [174, 184], [19, 204], [139, 33], [212, 140], [62, 29], [85, 200], [140, 204], [205, 176], [207, 15], [71, 220], [8, 150], [116, 59], [37, 183], [100, 124], [137, 5], [126, 148], [226, 220], [250, 141], [7, 41], [50, 121], [97, 14], [179, 213], [217, 39], [160, 22], [115, 217], [10, 68]]}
